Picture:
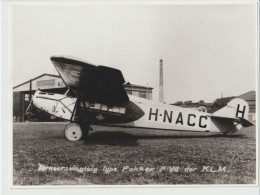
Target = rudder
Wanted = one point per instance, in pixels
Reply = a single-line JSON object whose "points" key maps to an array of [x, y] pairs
{"points": [[236, 108], [232, 117]]}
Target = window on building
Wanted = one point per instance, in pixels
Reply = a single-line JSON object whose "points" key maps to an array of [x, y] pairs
{"points": [[142, 94], [135, 93], [27, 97], [129, 92], [150, 97]]}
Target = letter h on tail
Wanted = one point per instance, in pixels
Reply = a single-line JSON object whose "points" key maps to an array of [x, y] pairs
{"points": [[240, 112]]}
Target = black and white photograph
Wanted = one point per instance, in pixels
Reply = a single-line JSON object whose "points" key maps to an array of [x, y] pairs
{"points": [[134, 94]]}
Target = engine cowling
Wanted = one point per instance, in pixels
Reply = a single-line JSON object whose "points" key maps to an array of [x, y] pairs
{"points": [[57, 105]]}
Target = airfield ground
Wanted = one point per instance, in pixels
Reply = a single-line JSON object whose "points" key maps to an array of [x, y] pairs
{"points": [[42, 156]]}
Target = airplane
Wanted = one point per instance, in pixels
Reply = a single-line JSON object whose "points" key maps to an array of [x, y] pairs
{"points": [[96, 96]]}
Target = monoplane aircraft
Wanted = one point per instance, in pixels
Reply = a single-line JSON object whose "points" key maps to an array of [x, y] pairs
{"points": [[96, 96]]}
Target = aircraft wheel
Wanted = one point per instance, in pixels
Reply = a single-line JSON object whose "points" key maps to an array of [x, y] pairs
{"points": [[73, 132]]}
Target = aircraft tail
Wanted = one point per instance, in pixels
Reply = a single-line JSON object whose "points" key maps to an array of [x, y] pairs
{"points": [[232, 117]]}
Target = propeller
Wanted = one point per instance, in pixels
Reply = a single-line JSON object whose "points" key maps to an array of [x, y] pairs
{"points": [[29, 106], [31, 102]]}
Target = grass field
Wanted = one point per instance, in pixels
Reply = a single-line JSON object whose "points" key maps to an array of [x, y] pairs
{"points": [[42, 156]]}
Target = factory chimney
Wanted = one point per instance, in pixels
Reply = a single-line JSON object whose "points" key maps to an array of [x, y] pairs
{"points": [[161, 82]]}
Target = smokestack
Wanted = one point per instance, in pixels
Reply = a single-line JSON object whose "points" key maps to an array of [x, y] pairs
{"points": [[161, 82]]}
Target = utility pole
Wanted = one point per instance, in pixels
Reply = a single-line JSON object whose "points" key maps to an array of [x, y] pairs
{"points": [[161, 99]]}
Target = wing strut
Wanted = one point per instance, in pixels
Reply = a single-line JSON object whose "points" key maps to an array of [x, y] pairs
{"points": [[79, 116]]}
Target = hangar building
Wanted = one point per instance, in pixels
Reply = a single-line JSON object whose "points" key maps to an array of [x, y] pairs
{"points": [[23, 92], [250, 98]]}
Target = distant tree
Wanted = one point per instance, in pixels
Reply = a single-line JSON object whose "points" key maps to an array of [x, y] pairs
{"points": [[220, 103], [201, 101], [188, 102], [178, 103]]}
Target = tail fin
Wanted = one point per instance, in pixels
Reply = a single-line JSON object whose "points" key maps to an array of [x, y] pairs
{"points": [[236, 108], [232, 117]]}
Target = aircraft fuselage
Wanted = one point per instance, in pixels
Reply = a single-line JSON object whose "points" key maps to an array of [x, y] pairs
{"points": [[137, 112]]}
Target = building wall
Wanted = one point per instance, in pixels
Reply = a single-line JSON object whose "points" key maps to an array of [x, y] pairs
{"points": [[202, 109], [44, 82], [198, 108], [251, 116], [252, 105], [252, 109], [18, 107], [139, 92], [250, 98]]}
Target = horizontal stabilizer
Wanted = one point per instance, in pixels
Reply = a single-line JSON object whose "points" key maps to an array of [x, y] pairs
{"points": [[242, 121], [245, 123], [226, 118]]}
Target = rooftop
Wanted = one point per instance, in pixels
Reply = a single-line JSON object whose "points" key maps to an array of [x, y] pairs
{"points": [[128, 84], [45, 74], [194, 105], [251, 95]]}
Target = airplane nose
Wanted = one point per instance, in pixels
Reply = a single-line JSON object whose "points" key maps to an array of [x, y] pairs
{"points": [[34, 100]]}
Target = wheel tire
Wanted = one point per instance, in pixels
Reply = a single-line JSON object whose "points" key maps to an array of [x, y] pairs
{"points": [[73, 132]]}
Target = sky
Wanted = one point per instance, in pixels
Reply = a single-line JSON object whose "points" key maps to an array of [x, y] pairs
{"points": [[207, 50]]}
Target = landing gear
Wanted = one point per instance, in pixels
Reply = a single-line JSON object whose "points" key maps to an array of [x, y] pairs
{"points": [[73, 132], [80, 128]]}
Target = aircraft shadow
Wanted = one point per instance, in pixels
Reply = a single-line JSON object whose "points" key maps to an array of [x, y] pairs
{"points": [[119, 138], [111, 138]]}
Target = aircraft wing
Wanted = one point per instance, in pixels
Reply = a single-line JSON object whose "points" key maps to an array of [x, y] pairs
{"points": [[95, 83]]}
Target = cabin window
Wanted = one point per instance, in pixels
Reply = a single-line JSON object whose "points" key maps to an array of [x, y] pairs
{"points": [[91, 105], [97, 106], [110, 108], [115, 109], [104, 107], [121, 110], [87, 104]]}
